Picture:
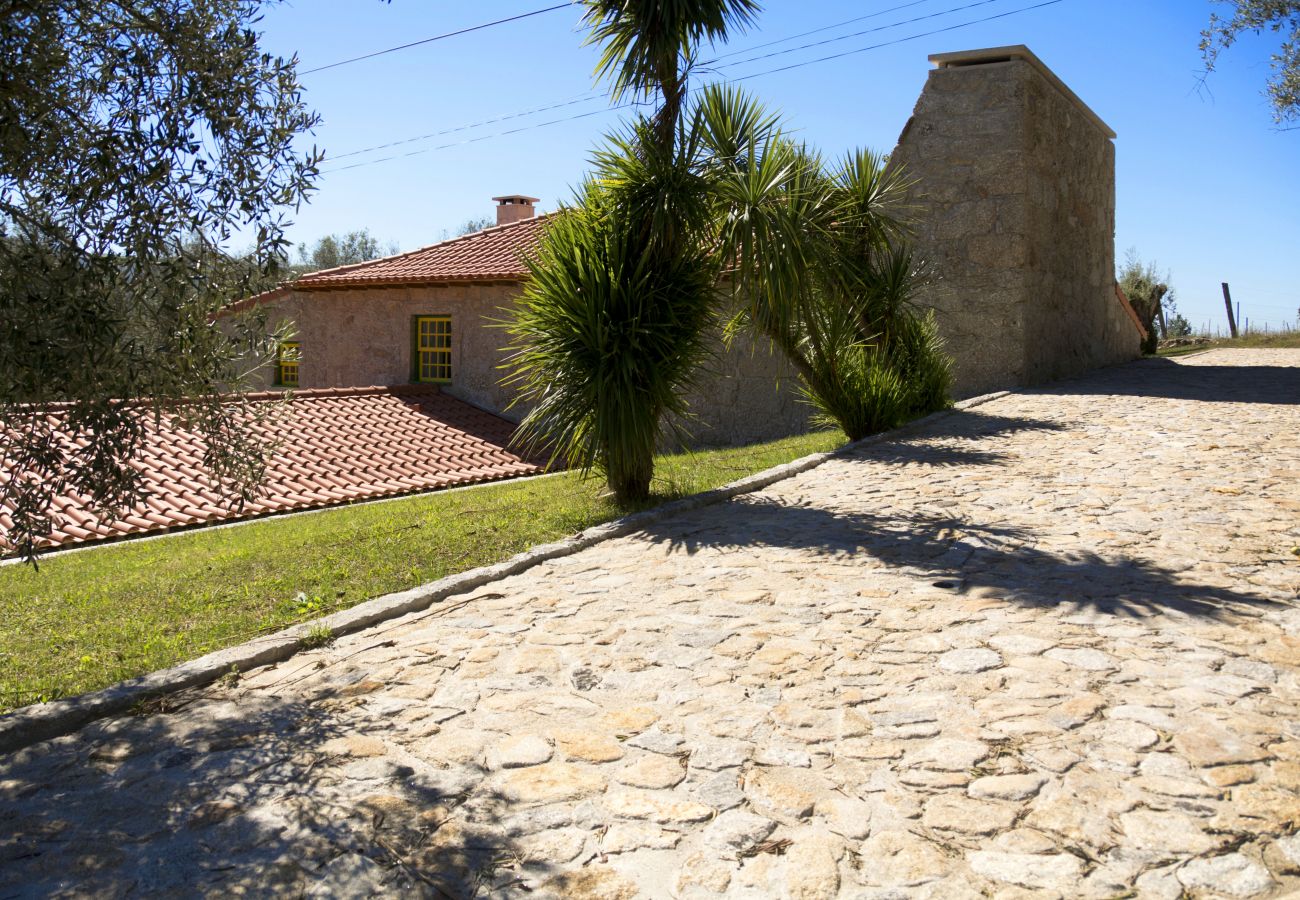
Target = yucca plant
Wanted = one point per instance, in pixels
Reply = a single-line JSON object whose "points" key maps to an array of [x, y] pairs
{"points": [[613, 325], [648, 47], [611, 330], [821, 264]]}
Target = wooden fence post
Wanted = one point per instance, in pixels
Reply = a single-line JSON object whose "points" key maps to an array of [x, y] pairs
{"points": [[1227, 301]]}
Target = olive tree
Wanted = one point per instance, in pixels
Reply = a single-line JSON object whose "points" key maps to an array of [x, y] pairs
{"points": [[1257, 16], [1150, 295], [140, 138]]}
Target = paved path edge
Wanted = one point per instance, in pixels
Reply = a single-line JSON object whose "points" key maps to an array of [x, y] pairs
{"points": [[42, 722]]}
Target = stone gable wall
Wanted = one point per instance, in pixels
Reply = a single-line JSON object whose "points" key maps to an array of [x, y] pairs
{"points": [[1075, 321], [1015, 211]]}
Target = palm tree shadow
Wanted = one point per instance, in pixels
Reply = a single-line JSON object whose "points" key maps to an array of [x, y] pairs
{"points": [[965, 556], [944, 442]]}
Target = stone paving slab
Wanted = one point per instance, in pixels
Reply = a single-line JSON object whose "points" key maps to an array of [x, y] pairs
{"points": [[1046, 647]]}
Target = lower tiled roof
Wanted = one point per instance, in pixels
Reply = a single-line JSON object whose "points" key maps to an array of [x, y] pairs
{"points": [[332, 446]]}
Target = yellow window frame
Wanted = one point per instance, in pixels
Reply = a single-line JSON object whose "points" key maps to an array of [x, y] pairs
{"points": [[433, 349], [288, 356]]}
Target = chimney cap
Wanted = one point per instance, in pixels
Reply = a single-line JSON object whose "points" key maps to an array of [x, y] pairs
{"points": [[516, 198]]}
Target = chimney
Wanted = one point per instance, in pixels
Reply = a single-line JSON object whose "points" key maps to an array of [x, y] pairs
{"points": [[514, 208]]}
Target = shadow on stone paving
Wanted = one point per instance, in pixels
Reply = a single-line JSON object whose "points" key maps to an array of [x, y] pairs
{"points": [[974, 424], [1279, 385], [252, 796], [962, 556], [964, 425]]}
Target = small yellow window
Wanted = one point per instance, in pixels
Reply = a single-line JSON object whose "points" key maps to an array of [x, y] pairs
{"points": [[286, 364], [433, 348]]}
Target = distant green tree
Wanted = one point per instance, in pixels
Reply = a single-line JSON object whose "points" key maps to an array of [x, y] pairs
{"points": [[334, 250], [1178, 326], [136, 139], [1172, 323], [469, 226], [1279, 16]]}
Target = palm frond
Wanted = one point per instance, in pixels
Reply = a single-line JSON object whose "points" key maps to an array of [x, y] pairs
{"points": [[643, 42]]}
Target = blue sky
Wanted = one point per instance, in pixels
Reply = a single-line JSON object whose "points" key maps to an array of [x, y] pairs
{"points": [[1207, 187]]}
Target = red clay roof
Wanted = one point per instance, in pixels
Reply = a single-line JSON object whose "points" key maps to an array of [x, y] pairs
{"points": [[334, 446], [494, 254]]}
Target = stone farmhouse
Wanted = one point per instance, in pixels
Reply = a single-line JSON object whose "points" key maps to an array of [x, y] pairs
{"points": [[434, 315], [396, 367], [1016, 191]]}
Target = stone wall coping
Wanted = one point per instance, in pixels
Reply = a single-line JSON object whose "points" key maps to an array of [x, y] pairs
{"points": [[1132, 313], [961, 58]]}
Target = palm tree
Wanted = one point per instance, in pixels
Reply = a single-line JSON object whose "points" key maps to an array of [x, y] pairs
{"points": [[614, 324], [612, 327], [821, 267], [648, 47]]}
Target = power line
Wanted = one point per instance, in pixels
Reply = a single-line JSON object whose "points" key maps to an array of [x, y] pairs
{"points": [[746, 77], [1273, 306], [795, 37], [592, 95], [436, 37], [1293, 292], [582, 98], [846, 37], [475, 140], [899, 41]]}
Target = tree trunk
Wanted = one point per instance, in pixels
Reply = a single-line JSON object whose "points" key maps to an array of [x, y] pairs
{"points": [[629, 478]]}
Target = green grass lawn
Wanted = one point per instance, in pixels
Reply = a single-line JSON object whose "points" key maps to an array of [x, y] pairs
{"points": [[86, 620], [1255, 339]]}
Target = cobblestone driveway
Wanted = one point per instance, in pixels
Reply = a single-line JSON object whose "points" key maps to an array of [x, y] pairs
{"points": [[1049, 646]]}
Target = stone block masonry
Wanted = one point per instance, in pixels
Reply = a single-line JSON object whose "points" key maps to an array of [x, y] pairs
{"points": [[1015, 192]]}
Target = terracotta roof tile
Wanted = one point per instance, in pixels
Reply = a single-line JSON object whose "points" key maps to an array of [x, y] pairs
{"points": [[334, 446], [494, 254]]}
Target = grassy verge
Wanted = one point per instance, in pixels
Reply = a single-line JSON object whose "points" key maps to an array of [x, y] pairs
{"points": [[87, 620], [1266, 339]]}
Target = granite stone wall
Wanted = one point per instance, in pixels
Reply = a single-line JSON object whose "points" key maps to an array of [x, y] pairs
{"points": [[362, 337], [748, 392], [1015, 192]]}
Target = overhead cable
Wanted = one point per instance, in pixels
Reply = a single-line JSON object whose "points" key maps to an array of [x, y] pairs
{"points": [[739, 78], [436, 37]]}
